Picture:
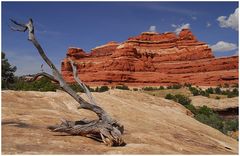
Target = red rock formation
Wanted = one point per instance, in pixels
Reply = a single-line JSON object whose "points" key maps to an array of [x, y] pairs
{"points": [[152, 59]]}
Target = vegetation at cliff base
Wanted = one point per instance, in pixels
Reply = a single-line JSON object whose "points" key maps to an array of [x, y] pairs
{"points": [[8, 71], [123, 87], [43, 84], [206, 115]]}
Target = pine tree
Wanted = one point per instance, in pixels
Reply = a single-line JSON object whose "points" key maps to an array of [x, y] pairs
{"points": [[7, 72]]}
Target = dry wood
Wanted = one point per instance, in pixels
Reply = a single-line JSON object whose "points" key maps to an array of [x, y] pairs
{"points": [[105, 128]]}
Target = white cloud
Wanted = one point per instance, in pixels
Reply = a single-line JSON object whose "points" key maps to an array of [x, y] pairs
{"points": [[229, 22], [222, 46], [180, 27], [26, 64], [174, 25], [208, 24], [153, 28]]}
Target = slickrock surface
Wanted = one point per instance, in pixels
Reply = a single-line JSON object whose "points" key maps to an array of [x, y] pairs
{"points": [[153, 125], [152, 59], [215, 104]]}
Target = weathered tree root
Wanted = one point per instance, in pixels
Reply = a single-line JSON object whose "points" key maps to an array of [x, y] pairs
{"points": [[108, 133]]}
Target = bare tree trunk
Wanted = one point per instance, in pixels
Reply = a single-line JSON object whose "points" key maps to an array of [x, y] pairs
{"points": [[105, 128]]}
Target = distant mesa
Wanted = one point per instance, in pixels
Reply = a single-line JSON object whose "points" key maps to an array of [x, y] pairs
{"points": [[152, 59]]}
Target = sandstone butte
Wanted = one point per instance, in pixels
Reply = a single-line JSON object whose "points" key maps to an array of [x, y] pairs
{"points": [[152, 59]]}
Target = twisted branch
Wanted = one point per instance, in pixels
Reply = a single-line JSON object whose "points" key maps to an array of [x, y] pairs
{"points": [[82, 85], [106, 128]]}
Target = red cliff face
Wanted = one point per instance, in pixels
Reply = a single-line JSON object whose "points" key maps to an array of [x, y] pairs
{"points": [[152, 59]]}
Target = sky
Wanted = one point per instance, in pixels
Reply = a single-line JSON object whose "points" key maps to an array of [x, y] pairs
{"points": [[59, 25]]}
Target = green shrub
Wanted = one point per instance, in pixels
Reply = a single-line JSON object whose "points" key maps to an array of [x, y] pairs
{"points": [[103, 89], [8, 77], [207, 116], [204, 93], [191, 108], [135, 89], [149, 88], [205, 110], [209, 90], [43, 84], [153, 88], [123, 87], [90, 89], [175, 86], [97, 89], [76, 87], [179, 98], [184, 100], [161, 88], [194, 91], [233, 93], [218, 90], [211, 119], [230, 125], [169, 96]]}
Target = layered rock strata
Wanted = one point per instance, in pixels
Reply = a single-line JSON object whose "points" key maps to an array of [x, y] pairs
{"points": [[152, 59]]}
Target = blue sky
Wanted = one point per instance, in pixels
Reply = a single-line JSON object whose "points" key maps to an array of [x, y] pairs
{"points": [[60, 25]]}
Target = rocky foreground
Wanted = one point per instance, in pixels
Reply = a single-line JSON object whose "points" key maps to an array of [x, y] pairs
{"points": [[152, 59], [153, 125]]}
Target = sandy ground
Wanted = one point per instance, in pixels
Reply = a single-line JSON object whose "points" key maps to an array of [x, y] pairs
{"points": [[216, 104], [153, 125]]}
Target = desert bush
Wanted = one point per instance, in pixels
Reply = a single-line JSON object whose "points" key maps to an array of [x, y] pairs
{"points": [[76, 87], [153, 88], [191, 108], [103, 89], [230, 125], [169, 96], [233, 93], [90, 89], [179, 98], [194, 91], [204, 93], [8, 77], [149, 88], [209, 90], [97, 89], [217, 90], [207, 116], [211, 119], [123, 87], [43, 84], [205, 110], [175, 86], [184, 100], [135, 89], [161, 88]]}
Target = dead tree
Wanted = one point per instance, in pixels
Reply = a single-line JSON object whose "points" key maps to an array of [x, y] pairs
{"points": [[104, 128]]}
